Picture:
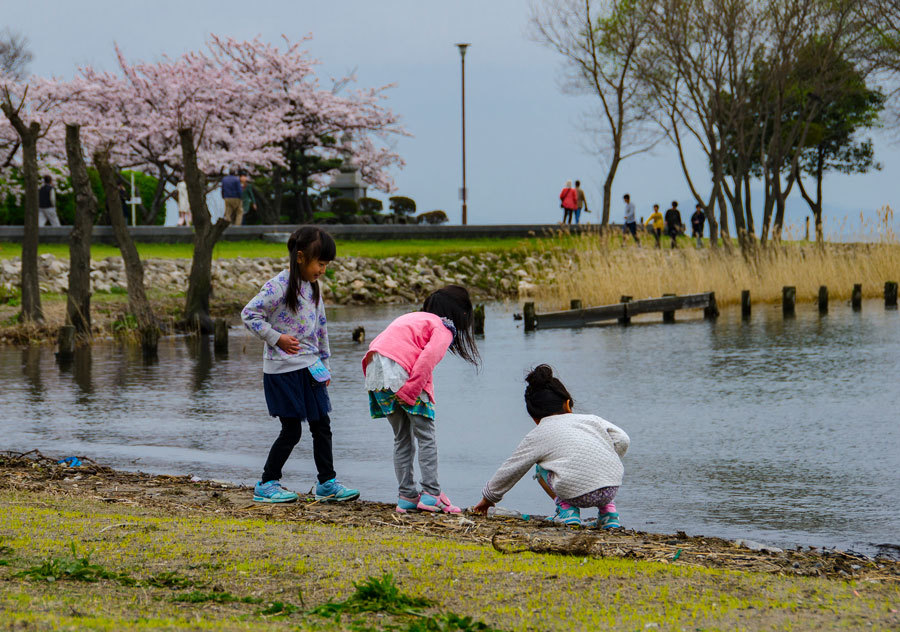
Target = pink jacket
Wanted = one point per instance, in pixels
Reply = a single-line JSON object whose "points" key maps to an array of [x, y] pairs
{"points": [[417, 342]]}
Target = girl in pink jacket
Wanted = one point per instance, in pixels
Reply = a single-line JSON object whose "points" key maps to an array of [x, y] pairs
{"points": [[398, 368]]}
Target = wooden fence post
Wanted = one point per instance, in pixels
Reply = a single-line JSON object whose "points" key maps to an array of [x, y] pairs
{"points": [[149, 340], [788, 299], [823, 299], [626, 319], [669, 315], [711, 311], [529, 317], [575, 303], [856, 297], [220, 340], [890, 295], [66, 342], [479, 319], [745, 304]]}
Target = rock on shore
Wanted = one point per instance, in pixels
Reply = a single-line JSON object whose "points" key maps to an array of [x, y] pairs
{"points": [[350, 280]]}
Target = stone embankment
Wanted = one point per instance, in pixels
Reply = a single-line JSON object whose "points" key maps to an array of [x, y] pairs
{"points": [[350, 280]]}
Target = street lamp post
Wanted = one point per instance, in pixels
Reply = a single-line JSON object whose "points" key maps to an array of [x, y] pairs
{"points": [[463, 193]]}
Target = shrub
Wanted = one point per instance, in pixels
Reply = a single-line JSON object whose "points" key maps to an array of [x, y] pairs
{"points": [[432, 217], [370, 206], [324, 217], [345, 209], [402, 206]]}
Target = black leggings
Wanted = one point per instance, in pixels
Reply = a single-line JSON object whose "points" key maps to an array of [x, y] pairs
{"points": [[290, 436]]}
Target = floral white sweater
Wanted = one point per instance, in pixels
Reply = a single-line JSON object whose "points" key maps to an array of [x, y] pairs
{"points": [[268, 317], [581, 452]]}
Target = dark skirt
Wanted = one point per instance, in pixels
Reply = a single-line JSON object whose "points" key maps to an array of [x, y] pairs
{"points": [[296, 394]]}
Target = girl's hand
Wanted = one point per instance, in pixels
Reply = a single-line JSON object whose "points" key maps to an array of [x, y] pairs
{"points": [[288, 344], [482, 507]]}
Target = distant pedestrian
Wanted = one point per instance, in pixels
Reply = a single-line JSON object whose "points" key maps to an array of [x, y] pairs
{"points": [[656, 223], [248, 196], [231, 193], [47, 204], [184, 205], [581, 201], [123, 200], [568, 201], [697, 221], [673, 223], [630, 225]]}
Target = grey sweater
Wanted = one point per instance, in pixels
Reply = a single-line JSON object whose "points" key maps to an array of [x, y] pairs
{"points": [[581, 452]]}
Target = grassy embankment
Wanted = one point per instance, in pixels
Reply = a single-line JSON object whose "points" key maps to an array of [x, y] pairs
{"points": [[90, 563], [253, 249]]}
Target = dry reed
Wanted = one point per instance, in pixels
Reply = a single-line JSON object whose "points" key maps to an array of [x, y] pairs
{"points": [[598, 269]]}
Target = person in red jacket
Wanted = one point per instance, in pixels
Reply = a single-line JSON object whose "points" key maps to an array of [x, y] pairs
{"points": [[568, 200]]}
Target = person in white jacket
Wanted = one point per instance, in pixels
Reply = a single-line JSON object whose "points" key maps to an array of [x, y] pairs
{"points": [[577, 457]]}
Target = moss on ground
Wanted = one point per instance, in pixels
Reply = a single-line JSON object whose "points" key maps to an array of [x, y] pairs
{"points": [[276, 572]]}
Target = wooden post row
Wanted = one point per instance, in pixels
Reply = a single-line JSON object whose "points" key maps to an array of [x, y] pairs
{"points": [[890, 295], [528, 316], [220, 340], [856, 297], [625, 320], [479, 320], [788, 300], [745, 303], [823, 299]]}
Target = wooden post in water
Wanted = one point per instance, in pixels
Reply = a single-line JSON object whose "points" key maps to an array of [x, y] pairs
{"points": [[823, 299], [711, 311], [575, 303], [529, 317], [66, 342], [745, 304], [788, 299], [479, 319], [220, 340], [856, 297], [149, 340], [625, 320], [890, 295], [669, 315]]}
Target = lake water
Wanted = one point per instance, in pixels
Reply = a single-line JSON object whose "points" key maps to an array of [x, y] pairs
{"points": [[785, 432]]}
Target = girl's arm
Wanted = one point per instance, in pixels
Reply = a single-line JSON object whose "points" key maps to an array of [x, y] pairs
{"points": [[507, 475], [432, 354], [257, 312], [322, 330], [619, 438]]}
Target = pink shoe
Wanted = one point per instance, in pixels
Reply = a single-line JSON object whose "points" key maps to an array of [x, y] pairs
{"points": [[405, 505], [427, 502]]}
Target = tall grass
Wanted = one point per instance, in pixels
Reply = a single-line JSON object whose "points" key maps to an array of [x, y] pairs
{"points": [[599, 269]]}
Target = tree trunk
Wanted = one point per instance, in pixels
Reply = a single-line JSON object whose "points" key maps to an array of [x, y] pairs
{"points": [[607, 190], [31, 290], [134, 269], [206, 234], [159, 198], [78, 300]]}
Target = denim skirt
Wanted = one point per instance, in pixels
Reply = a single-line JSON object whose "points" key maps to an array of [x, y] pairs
{"points": [[296, 394]]}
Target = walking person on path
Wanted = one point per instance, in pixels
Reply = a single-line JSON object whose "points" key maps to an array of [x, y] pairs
{"points": [[398, 372], [289, 315], [568, 200], [656, 223], [581, 202], [47, 204], [577, 458], [697, 221], [231, 193], [673, 223], [184, 205], [630, 225], [248, 197]]}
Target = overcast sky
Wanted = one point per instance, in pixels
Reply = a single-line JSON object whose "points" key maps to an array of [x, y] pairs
{"points": [[523, 133]]}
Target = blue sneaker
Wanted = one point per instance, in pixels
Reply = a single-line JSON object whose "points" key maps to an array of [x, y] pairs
{"points": [[272, 492], [334, 491], [570, 517], [608, 521], [406, 505]]}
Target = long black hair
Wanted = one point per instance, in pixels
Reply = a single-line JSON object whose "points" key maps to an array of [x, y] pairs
{"points": [[314, 243], [545, 395], [453, 302]]}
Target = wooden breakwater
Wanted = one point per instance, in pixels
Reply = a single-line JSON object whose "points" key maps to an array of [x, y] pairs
{"points": [[668, 304]]}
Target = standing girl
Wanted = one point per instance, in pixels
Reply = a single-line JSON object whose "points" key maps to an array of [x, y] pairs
{"points": [[398, 369], [289, 315], [577, 457]]}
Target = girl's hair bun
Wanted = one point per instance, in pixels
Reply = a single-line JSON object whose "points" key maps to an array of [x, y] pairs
{"points": [[545, 395], [540, 376]]}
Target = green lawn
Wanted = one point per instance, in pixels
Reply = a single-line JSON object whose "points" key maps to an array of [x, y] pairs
{"points": [[231, 249]]}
